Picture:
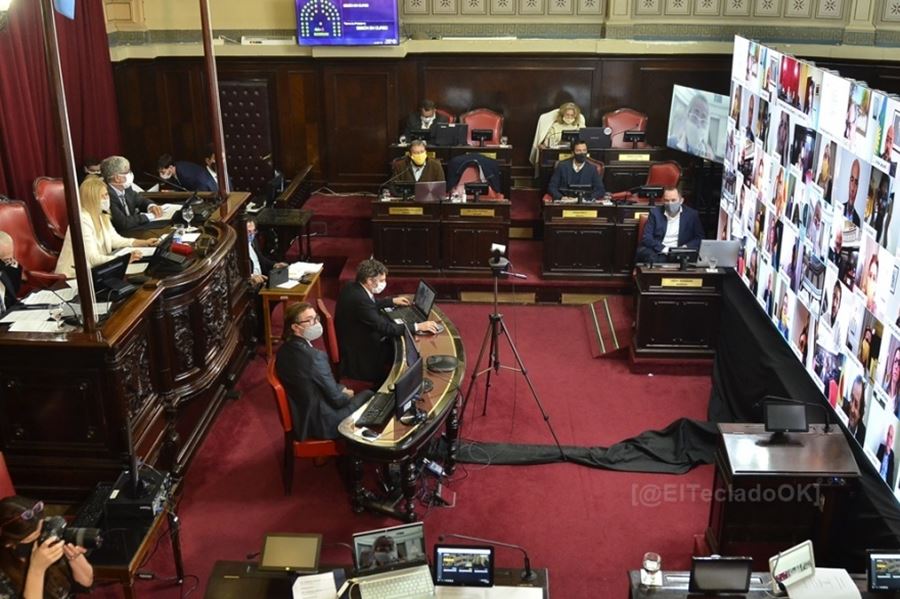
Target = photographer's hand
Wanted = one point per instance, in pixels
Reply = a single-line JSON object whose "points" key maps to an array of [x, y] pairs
{"points": [[46, 554], [82, 571]]}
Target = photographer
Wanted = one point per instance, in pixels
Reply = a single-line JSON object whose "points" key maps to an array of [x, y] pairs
{"points": [[34, 569]]}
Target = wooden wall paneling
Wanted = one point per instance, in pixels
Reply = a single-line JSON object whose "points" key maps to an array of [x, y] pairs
{"points": [[360, 112], [184, 101], [247, 119], [520, 89], [298, 136]]}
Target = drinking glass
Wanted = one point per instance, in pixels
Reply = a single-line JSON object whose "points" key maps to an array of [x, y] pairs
{"points": [[713, 262], [504, 140], [187, 213], [651, 567], [56, 313]]}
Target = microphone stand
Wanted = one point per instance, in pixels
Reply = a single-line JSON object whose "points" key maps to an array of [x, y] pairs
{"points": [[527, 573]]}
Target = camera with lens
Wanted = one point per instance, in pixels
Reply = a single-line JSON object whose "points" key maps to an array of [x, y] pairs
{"points": [[56, 526]]}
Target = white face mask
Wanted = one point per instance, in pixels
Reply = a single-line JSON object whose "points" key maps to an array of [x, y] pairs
{"points": [[569, 120], [129, 179], [379, 287], [104, 205], [313, 332], [696, 136]]}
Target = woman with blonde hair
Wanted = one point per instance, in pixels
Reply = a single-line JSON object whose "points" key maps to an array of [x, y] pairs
{"points": [[100, 238], [568, 118]]}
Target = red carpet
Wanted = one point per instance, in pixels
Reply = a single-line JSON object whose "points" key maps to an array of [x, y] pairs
{"points": [[342, 215], [587, 526]]}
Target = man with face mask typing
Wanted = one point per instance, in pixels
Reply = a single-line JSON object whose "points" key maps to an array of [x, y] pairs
{"points": [[417, 166], [128, 210], [693, 137], [318, 402], [668, 226], [364, 333], [10, 273], [575, 171]]}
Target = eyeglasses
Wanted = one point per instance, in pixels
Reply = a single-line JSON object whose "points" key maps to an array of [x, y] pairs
{"points": [[316, 319], [34, 511]]}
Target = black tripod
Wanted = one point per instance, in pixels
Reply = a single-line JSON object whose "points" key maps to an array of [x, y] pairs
{"points": [[496, 326]]}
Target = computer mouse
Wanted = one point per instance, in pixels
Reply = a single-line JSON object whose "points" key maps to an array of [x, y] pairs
{"points": [[369, 434]]}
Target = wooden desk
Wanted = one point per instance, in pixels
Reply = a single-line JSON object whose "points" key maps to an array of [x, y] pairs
{"points": [[124, 549], [406, 235], [767, 498], [286, 224], [675, 586], [677, 312], [467, 231], [624, 168], [502, 154], [300, 292], [160, 365], [402, 444], [243, 580]]}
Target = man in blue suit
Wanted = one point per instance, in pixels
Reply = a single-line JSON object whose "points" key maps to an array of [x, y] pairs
{"points": [[318, 402], [197, 177], [670, 225]]}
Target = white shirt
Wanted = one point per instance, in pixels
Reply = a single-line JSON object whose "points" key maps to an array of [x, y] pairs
{"points": [[671, 238], [426, 123], [417, 171], [213, 174], [257, 269]]}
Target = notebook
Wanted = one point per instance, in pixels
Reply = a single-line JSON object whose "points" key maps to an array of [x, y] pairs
{"points": [[420, 308], [391, 563]]}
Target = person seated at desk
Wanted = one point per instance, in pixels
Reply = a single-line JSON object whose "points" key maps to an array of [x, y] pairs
{"points": [[199, 177], [10, 273], [167, 169], [260, 264], [100, 238], [417, 166], [128, 209], [424, 118], [365, 333], [31, 569], [568, 118], [575, 171], [318, 402], [90, 167], [668, 226]]}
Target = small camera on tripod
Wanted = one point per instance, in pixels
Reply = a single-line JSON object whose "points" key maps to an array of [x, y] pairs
{"points": [[498, 263]]}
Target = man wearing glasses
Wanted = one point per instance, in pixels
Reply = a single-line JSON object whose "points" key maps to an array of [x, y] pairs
{"points": [[318, 402]]}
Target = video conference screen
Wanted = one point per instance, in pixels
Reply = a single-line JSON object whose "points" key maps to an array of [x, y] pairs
{"points": [[347, 23], [808, 188], [697, 123]]}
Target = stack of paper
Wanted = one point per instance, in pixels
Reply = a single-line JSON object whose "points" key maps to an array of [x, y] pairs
{"points": [[144, 252], [45, 296], [298, 269], [826, 583]]}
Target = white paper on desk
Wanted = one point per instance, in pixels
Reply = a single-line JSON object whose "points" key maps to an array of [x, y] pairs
{"points": [[460, 593], [289, 284], [26, 315], [190, 237], [45, 296], [826, 583], [144, 252], [136, 268], [298, 269], [315, 586], [36, 326], [169, 210]]}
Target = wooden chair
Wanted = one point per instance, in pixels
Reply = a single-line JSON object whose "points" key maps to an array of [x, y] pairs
{"points": [[334, 354], [6, 485], [482, 118], [38, 263], [601, 168], [311, 448], [622, 120], [50, 196]]}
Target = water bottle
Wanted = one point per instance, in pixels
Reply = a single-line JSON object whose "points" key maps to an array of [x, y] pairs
{"points": [[385, 195]]}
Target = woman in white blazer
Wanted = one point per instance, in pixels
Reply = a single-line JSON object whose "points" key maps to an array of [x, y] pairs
{"points": [[100, 238]]}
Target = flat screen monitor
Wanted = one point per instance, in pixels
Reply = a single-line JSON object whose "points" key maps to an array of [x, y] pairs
{"points": [[291, 552], [884, 571], [109, 279], [785, 417], [423, 134], [582, 191], [596, 138], [408, 387], [683, 256], [476, 189], [698, 121], [405, 189], [449, 134], [464, 566], [568, 137], [327, 23], [412, 351], [720, 574]]}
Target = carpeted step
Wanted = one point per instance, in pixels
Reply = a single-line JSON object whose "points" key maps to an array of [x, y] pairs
{"points": [[341, 215], [609, 323]]}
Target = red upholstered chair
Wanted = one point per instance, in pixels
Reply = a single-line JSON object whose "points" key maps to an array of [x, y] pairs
{"points": [[331, 348], [6, 484], [664, 174], [642, 223], [622, 120], [472, 174], [482, 118], [51, 198], [311, 448], [37, 261], [601, 168], [451, 118]]}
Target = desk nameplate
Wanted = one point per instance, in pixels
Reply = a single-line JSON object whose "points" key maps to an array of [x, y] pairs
{"points": [[484, 212], [579, 213], [681, 282], [634, 157], [406, 211]]}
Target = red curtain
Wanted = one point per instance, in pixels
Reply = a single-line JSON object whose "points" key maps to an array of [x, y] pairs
{"points": [[29, 143]]}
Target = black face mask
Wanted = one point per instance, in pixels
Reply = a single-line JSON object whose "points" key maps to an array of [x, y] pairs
{"points": [[580, 158], [23, 550], [14, 273]]}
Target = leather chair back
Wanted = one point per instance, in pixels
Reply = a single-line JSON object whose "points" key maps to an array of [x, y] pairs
{"points": [[451, 118], [483, 118], [6, 485], [37, 261], [284, 411], [50, 196], [472, 174], [622, 120], [642, 223], [667, 173], [330, 336]]}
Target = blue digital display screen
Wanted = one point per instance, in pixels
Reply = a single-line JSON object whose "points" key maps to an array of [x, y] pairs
{"points": [[347, 23]]}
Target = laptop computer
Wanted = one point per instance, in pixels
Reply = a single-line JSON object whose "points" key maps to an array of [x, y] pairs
{"points": [[431, 191], [463, 566], [449, 134], [419, 310], [596, 137], [391, 563], [725, 251]]}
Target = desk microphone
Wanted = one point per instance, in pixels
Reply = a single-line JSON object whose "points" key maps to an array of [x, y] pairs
{"points": [[395, 177], [76, 317], [527, 573]]}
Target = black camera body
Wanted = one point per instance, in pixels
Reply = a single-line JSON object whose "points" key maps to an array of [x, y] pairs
{"points": [[56, 526]]}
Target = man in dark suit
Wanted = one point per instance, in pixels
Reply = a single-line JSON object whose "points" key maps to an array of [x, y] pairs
{"points": [[575, 171], [669, 226], [885, 457], [364, 333], [260, 267], [417, 166], [10, 273], [424, 118], [318, 402], [199, 177], [165, 167], [127, 209]]}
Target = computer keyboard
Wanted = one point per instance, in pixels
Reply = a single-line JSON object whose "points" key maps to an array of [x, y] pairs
{"points": [[90, 513], [378, 411], [407, 585]]}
